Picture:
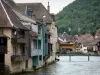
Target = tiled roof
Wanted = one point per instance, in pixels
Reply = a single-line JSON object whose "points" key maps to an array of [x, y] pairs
{"points": [[13, 17], [12, 4], [23, 17], [85, 39], [93, 42], [68, 38], [38, 10]]}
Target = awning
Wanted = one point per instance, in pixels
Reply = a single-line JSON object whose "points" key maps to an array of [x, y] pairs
{"points": [[33, 33], [2, 35]]}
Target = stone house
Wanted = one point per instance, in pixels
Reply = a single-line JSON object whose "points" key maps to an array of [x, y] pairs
{"points": [[87, 43], [15, 26], [47, 25]]}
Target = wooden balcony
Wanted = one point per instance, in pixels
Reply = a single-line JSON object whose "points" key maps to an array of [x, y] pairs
{"points": [[18, 40], [18, 58], [21, 40]]}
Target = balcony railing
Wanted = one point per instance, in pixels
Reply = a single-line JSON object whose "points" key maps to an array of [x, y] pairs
{"points": [[35, 52], [18, 39], [21, 40], [18, 58]]}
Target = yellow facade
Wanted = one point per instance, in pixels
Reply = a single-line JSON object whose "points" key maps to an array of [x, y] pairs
{"points": [[67, 46]]}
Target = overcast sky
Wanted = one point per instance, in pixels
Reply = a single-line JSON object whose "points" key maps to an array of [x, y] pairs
{"points": [[55, 5]]}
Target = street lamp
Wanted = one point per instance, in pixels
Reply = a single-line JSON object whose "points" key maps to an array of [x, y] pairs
{"points": [[15, 34]]}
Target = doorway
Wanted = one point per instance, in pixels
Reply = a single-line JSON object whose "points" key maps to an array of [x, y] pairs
{"points": [[2, 62]]}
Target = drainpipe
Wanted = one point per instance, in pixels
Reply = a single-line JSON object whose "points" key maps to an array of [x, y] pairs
{"points": [[43, 35]]}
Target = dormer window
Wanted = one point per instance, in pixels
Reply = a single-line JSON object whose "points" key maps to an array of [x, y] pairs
{"points": [[30, 12]]}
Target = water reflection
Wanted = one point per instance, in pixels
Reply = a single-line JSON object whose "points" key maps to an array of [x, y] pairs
{"points": [[78, 66]]}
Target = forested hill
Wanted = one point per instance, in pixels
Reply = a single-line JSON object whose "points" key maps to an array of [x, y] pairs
{"points": [[79, 17]]}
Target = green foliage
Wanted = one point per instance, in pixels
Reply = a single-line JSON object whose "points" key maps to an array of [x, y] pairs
{"points": [[81, 14]]}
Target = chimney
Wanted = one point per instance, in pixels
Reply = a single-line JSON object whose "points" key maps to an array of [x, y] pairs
{"points": [[48, 7]]}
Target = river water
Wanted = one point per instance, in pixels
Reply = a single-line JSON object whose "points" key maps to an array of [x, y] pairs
{"points": [[79, 65]]}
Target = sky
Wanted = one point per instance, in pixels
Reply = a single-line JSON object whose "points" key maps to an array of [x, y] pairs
{"points": [[55, 5]]}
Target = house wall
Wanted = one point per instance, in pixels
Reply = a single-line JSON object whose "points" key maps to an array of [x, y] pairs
{"points": [[14, 67], [18, 67], [7, 32], [35, 28], [84, 49], [53, 39], [35, 52]]}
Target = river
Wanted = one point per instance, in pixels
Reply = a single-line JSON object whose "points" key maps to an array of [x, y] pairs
{"points": [[79, 65]]}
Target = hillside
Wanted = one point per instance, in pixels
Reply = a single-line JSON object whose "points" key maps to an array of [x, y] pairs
{"points": [[79, 17]]}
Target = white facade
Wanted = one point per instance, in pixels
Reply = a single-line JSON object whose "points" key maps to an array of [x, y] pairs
{"points": [[84, 49]]}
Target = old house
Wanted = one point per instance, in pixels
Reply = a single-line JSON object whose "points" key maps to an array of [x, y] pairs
{"points": [[87, 43], [15, 29], [47, 25], [67, 43]]}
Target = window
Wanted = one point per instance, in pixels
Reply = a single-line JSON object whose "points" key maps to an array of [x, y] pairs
{"points": [[35, 44], [23, 49], [30, 12], [21, 34], [40, 57], [26, 65], [14, 50], [39, 29], [39, 44]]}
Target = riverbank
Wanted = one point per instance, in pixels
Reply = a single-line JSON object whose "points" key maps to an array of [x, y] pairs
{"points": [[33, 70], [79, 54], [78, 66]]}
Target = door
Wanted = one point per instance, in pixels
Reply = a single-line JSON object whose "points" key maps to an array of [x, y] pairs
{"points": [[2, 63]]}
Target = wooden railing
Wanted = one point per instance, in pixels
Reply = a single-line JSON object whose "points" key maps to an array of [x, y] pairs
{"points": [[18, 40], [18, 58]]}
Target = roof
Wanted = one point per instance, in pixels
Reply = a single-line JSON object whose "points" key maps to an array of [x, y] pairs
{"points": [[93, 42], [11, 3], [23, 17], [68, 38], [13, 17], [85, 39], [38, 10]]}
